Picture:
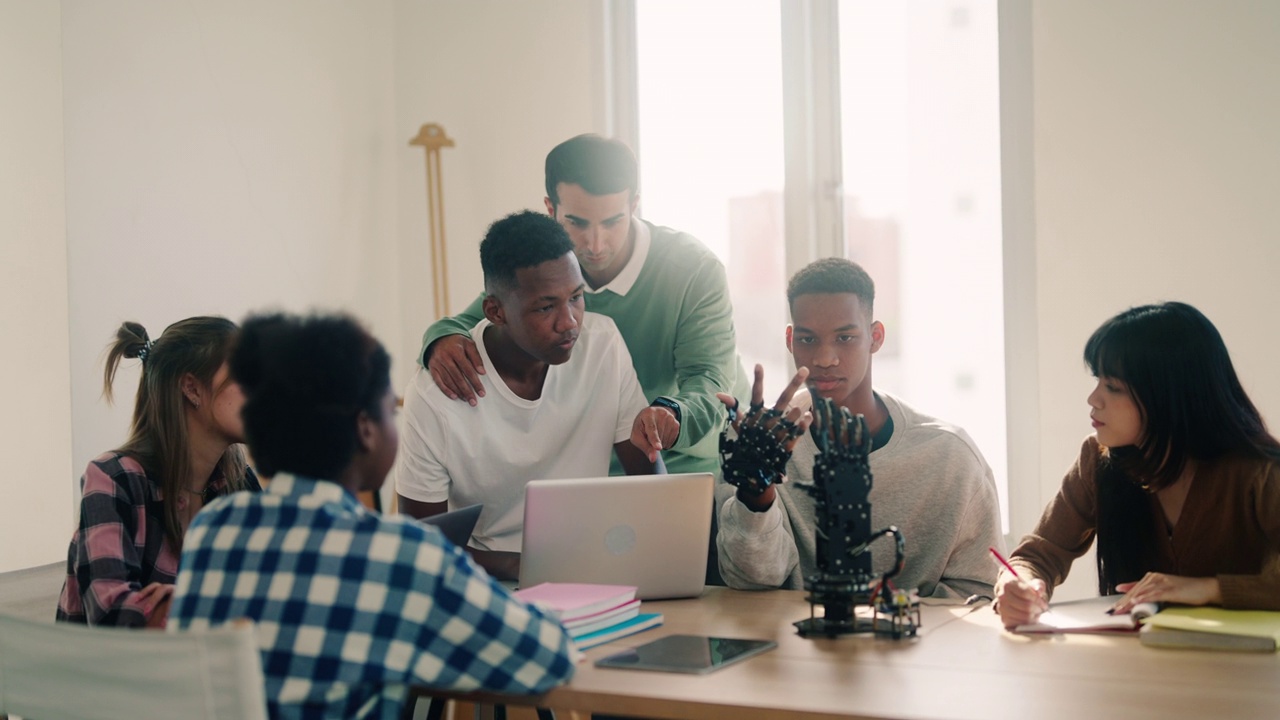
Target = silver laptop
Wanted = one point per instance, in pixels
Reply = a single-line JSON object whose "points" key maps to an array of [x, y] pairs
{"points": [[650, 531]]}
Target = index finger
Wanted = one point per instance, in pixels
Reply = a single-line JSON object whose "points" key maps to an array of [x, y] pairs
{"points": [[797, 381], [652, 434], [757, 387]]}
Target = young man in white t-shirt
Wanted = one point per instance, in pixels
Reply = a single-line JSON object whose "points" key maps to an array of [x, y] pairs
{"points": [[562, 395]]}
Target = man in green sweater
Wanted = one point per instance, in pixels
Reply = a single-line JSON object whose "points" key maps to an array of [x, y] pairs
{"points": [[664, 289], [666, 292]]}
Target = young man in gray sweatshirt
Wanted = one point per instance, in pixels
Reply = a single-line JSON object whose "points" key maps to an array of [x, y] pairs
{"points": [[929, 478]]}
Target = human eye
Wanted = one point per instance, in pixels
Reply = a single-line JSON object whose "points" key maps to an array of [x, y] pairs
{"points": [[847, 338], [578, 223], [806, 340], [612, 222]]}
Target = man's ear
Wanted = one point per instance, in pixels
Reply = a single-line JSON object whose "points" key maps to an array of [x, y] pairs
{"points": [[366, 434], [551, 207], [635, 202], [493, 310], [190, 387], [790, 331], [877, 335]]}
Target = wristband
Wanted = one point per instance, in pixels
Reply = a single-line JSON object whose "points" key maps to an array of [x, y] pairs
{"points": [[667, 403]]}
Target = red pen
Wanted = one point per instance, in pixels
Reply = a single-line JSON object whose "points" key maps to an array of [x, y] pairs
{"points": [[1004, 562]]}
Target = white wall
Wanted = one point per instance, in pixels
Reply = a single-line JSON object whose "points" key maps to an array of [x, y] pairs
{"points": [[1157, 168], [222, 157], [34, 380], [508, 81]]}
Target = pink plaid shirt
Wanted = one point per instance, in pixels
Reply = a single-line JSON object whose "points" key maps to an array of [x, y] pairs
{"points": [[120, 546]]}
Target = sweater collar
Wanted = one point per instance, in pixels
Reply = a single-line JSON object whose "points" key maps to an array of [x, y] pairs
{"points": [[626, 279]]}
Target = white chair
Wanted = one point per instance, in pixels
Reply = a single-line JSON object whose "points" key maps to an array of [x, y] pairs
{"points": [[56, 671]]}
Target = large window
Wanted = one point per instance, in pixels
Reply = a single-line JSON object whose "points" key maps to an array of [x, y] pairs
{"points": [[915, 123], [921, 148], [711, 157]]}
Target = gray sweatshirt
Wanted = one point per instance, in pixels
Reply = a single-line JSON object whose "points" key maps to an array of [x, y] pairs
{"points": [[929, 479]]}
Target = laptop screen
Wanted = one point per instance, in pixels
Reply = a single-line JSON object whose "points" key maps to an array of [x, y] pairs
{"points": [[651, 531]]}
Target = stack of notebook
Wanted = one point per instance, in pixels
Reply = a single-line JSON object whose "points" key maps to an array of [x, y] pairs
{"points": [[593, 614]]}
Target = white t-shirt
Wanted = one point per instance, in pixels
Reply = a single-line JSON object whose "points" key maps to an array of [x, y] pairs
{"points": [[487, 453]]}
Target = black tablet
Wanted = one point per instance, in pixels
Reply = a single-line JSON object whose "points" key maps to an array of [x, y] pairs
{"points": [[457, 525], [695, 654]]}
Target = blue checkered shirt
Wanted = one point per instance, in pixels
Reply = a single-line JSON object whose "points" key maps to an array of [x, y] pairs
{"points": [[352, 606]]}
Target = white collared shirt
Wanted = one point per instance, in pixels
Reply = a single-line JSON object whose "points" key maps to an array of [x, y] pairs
{"points": [[621, 285]]}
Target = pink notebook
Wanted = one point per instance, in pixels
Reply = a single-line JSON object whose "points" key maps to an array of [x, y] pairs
{"points": [[572, 601]]}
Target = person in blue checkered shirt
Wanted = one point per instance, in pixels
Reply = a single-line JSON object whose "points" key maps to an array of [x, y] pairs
{"points": [[351, 606]]}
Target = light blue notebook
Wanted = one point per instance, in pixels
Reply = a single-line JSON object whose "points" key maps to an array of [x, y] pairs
{"points": [[639, 623]]}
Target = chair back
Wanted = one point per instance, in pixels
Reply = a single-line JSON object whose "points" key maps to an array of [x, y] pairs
{"points": [[52, 671]]}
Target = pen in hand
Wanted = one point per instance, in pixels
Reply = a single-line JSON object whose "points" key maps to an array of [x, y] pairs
{"points": [[1021, 601], [1004, 562]]}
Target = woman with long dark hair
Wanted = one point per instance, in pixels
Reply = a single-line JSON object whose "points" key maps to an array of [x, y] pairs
{"points": [[1180, 482], [182, 452]]}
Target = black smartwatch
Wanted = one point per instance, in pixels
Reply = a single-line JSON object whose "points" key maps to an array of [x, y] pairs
{"points": [[667, 403]]}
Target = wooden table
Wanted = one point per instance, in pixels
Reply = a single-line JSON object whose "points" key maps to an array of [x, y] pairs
{"points": [[963, 665]]}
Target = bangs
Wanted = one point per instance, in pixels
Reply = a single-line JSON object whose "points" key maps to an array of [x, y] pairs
{"points": [[1137, 340], [1105, 353]]}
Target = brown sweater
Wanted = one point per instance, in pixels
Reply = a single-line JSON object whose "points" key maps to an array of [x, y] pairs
{"points": [[1229, 528]]}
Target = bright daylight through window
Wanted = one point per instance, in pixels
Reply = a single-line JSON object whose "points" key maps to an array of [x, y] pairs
{"points": [[920, 141]]}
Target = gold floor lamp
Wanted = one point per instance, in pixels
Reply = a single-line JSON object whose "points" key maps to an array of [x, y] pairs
{"points": [[433, 137]]}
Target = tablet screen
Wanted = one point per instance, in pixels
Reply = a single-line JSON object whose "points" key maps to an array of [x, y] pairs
{"points": [[686, 654]]}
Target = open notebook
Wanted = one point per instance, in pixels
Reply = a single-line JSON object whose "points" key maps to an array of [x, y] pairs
{"points": [[1089, 616]]}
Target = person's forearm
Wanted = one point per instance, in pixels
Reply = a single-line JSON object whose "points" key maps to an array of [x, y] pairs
{"points": [[502, 565], [706, 359], [1250, 592], [755, 551], [633, 460], [459, 324]]}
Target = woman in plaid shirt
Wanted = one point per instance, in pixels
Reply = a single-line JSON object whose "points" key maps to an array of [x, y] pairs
{"points": [[136, 501]]}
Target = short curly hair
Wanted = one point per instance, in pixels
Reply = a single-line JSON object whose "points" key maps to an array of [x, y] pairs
{"points": [[517, 241], [305, 381], [832, 275]]}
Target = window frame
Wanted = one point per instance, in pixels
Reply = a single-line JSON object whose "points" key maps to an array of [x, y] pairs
{"points": [[813, 191]]}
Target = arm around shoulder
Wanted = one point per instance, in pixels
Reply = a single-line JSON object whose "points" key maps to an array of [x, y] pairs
{"points": [[459, 324]]}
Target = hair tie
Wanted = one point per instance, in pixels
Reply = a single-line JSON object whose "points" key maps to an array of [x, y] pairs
{"points": [[145, 351]]}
